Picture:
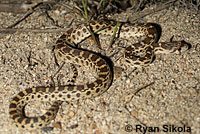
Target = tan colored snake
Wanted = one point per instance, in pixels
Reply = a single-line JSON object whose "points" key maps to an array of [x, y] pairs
{"points": [[65, 51]]}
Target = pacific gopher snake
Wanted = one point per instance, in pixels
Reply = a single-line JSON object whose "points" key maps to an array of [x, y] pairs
{"points": [[65, 51]]}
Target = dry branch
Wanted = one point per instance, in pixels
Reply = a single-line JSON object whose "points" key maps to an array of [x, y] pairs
{"points": [[149, 11], [134, 17], [12, 30]]}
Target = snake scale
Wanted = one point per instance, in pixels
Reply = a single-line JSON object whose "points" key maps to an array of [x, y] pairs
{"points": [[137, 54]]}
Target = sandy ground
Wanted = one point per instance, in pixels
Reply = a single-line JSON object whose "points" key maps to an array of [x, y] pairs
{"points": [[172, 99]]}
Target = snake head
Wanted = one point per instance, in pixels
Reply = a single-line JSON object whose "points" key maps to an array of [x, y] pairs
{"points": [[183, 46], [173, 46]]}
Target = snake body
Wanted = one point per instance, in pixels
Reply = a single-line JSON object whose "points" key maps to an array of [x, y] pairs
{"points": [[65, 51]]}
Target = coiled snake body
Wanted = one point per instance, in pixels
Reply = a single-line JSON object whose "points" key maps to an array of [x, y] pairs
{"points": [[65, 51]]}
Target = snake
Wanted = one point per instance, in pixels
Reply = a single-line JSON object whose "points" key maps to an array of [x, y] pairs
{"points": [[137, 54]]}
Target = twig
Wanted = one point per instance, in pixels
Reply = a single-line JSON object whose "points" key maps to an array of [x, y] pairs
{"points": [[19, 21], [25, 16], [150, 11], [75, 10], [130, 96], [140, 3], [11, 30], [142, 87], [52, 20], [100, 3]]}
